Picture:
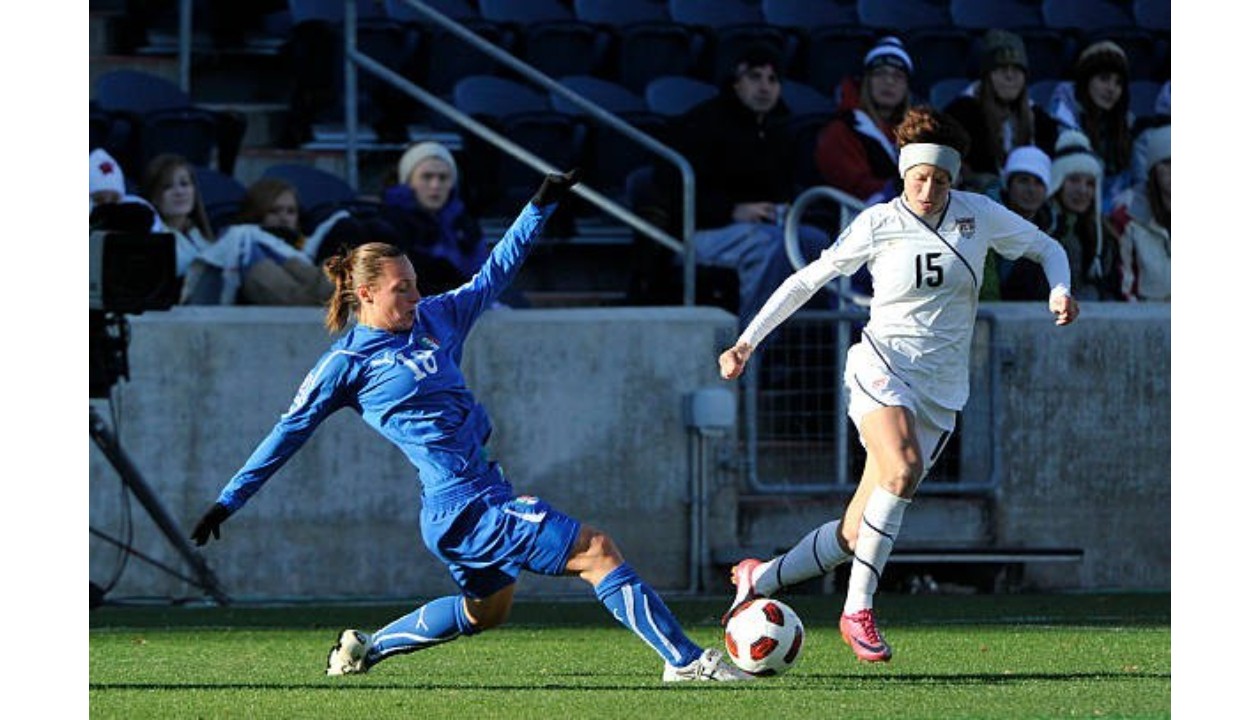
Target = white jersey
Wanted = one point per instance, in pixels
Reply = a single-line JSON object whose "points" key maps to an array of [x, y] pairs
{"points": [[926, 284]]}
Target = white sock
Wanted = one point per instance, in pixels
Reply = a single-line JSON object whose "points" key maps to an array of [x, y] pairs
{"points": [[881, 520], [818, 553]]}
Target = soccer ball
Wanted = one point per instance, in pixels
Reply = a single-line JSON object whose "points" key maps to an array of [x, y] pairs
{"points": [[764, 636]]}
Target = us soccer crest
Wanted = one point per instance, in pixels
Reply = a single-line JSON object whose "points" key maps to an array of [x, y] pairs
{"points": [[966, 226]]}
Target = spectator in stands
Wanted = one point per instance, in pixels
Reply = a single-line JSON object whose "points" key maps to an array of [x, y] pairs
{"points": [[277, 274], [1096, 103], [1143, 219], [397, 365], [906, 379], [170, 186], [1025, 184], [997, 113], [110, 206], [1144, 127], [440, 235], [740, 149], [1075, 186], [857, 151]]}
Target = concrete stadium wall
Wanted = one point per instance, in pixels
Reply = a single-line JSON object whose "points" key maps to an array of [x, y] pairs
{"points": [[589, 413]]}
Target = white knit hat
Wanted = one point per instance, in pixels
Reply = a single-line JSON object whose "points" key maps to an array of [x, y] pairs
{"points": [[889, 51], [420, 152], [1027, 159], [1158, 146], [104, 173], [1073, 154]]}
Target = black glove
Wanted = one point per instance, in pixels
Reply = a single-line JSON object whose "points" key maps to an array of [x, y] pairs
{"points": [[554, 186], [209, 523]]}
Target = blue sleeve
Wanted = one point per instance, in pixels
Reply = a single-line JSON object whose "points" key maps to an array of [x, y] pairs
{"points": [[321, 393], [465, 303]]}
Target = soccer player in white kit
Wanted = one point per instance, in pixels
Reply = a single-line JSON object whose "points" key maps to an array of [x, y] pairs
{"points": [[907, 378]]}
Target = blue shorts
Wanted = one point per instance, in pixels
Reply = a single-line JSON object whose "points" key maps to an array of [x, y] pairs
{"points": [[486, 540]]}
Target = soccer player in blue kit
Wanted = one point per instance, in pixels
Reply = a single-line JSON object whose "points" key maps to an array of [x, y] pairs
{"points": [[398, 368]]}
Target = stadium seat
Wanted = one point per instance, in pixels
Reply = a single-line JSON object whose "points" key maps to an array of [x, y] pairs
{"points": [[316, 188], [650, 50], [1041, 91], [221, 194], [804, 15], [524, 12], [565, 47], [137, 92], [834, 53], [805, 99], [612, 155], [674, 95], [724, 44], [620, 13], [447, 57], [903, 16], [1050, 52], [458, 10], [153, 115], [985, 14], [706, 13], [939, 53], [334, 11], [803, 129], [1085, 16], [1142, 96], [1153, 15], [610, 96], [494, 96], [945, 90]]}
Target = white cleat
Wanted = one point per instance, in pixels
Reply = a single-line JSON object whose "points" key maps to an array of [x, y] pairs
{"points": [[709, 667], [348, 656]]}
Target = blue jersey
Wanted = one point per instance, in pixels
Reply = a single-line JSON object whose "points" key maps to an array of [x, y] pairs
{"points": [[407, 386]]}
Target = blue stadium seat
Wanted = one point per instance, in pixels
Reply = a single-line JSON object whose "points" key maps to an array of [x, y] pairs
{"points": [[834, 53], [221, 194], [1086, 16], [493, 96], [904, 15], [334, 11], [620, 13], [1040, 91], [524, 12], [985, 14], [458, 10], [610, 96], [803, 130], [447, 58], [565, 47], [945, 90], [706, 13], [939, 53], [1154, 15], [805, 99], [1142, 96], [674, 95], [653, 49], [316, 188], [191, 132], [804, 15], [137, 92]]}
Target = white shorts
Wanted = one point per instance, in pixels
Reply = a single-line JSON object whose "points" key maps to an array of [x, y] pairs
{"points": [[871, 384]]}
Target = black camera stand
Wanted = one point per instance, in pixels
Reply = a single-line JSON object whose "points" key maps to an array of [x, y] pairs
{"points": [[105, 439]]}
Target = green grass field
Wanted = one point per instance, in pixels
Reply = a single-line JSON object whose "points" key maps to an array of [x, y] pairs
{"points": [[987, 656]]}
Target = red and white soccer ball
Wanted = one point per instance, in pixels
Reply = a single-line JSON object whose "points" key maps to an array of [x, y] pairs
{"points": [[764, 636]]}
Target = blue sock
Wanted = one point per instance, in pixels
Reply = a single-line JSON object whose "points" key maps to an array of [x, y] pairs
{"points": [[637, 606], [434, 623]]}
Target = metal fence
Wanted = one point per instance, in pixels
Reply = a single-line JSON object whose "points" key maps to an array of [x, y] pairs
{"points": [[796, 437]]}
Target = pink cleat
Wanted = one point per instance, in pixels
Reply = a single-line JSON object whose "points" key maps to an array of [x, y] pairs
{"points": [[742, 579], [860, 632]]}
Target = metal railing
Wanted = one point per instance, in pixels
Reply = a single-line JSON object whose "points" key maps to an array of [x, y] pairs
{"points": [[355, 59]]}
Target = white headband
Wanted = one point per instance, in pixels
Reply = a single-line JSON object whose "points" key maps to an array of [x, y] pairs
{"points": [[942, 156]]}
